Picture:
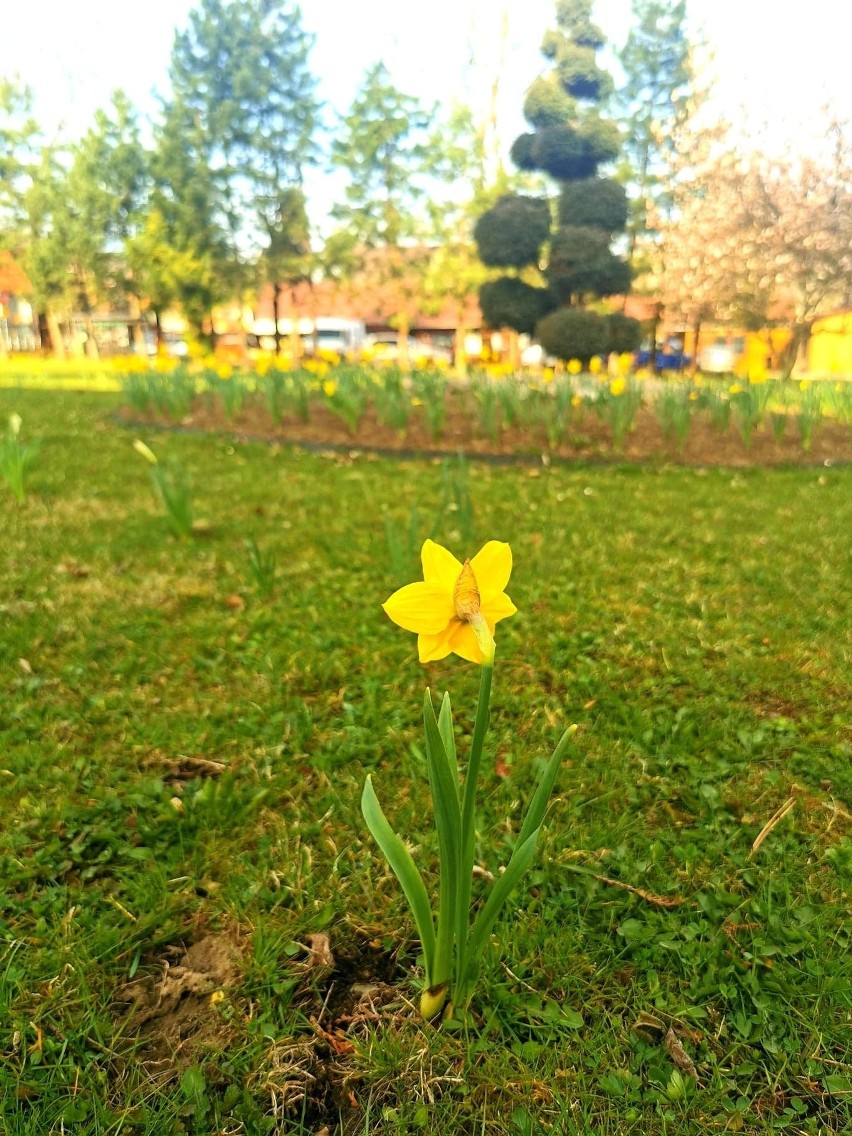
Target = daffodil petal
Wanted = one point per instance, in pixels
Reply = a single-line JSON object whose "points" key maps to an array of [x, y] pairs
{"points": [[463, 642], [498, 607], [492, 567], [431, 648], [440, 567], [420, 607]]}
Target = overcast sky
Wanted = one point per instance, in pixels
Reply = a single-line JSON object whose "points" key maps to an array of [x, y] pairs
{"points": [[771, 69]]}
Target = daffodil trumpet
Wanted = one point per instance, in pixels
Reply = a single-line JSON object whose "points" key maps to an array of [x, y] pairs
{"points": [[455, 610]]}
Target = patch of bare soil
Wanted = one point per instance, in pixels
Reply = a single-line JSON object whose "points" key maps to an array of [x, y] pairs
{"points": [[345, 995], [173, 1020], [587, 438], [174, 1017]]}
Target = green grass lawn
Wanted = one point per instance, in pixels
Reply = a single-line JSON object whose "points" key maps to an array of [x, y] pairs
{"points": [[695, 624]]}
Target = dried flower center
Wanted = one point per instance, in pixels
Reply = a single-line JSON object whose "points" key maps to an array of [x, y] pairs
{"points": [[466, 594]]}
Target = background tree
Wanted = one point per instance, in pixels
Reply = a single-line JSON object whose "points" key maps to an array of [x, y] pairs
{"points": [[18, 144], [18, 149], [384, 150], [654, 102], [181, 251], [287, 259], [570, 140], [108, 183], [240, 78], [757, 240], [466, 181]]}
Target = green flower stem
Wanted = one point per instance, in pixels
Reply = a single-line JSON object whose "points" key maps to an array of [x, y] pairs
{"points": [[468, 822]]}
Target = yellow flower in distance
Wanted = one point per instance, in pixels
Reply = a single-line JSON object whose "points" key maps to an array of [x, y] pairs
{"points": [[574, 367], [617, 386], [454, 609]]}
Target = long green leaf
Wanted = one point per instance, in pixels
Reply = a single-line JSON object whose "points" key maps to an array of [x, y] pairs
{"points": [[445, 725], [445, 798], [405, 870], [521, 859], [468, 819], [541, 795]]}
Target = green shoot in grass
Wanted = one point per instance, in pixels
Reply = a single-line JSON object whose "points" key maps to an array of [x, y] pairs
{"points": [[261, 568], [15, 458], [172, 487]]}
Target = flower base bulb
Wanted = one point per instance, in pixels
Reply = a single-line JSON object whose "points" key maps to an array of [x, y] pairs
{"points": [[432, 1000]]}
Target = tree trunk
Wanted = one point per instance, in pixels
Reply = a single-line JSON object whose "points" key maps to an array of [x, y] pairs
{"points": [[403, 325], [655, 327], [295, 337], [796, 349], [158, 331], [696, 346], [460, 352], [92, 349], [276, 312], [514, 350], [140, 343], [57, 343]]}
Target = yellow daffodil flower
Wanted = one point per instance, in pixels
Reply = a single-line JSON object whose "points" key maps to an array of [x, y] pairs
{"points": [[617, 386], [574, 367], [595, 365], [454, 609]]}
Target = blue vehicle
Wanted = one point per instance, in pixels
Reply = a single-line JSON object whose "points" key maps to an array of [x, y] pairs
{"points": [[670, 356]]}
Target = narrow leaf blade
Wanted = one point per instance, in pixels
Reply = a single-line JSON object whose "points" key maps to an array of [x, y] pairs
{"points": [[544, 787], [405, 870], [521, 859]]}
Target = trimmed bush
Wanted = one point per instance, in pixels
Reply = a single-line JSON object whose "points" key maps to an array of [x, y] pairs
{"points": [[563, 153], [547, 104], [572, 334], [511, 233], [597, 203], [510, 302], [625, 333], [581, 263]]}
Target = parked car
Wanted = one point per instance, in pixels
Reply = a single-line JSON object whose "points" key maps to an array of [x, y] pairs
{"points": [[385, 345]]}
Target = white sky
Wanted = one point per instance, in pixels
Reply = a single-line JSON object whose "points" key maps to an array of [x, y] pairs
{"points": [[781, 64]]}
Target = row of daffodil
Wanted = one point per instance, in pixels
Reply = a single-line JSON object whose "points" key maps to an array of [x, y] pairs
{"points": [[550, 405]]}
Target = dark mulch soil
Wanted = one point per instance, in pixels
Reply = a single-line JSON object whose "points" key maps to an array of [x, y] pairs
{"points": [[588, 438]]}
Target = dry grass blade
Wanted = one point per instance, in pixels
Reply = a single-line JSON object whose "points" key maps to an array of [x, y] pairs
{"points": [[772, 823], [319, 951], [678, 1054], [648, 896]]}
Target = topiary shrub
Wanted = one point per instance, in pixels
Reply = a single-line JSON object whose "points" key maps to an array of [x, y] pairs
{"points": [[625, 333], [571, 334], [597, 203], [522, 152], [580, 75], [582, 263], [563, 153], [512, 232], [546, 103], [576, 15], [510, 302], [602, 137]]}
